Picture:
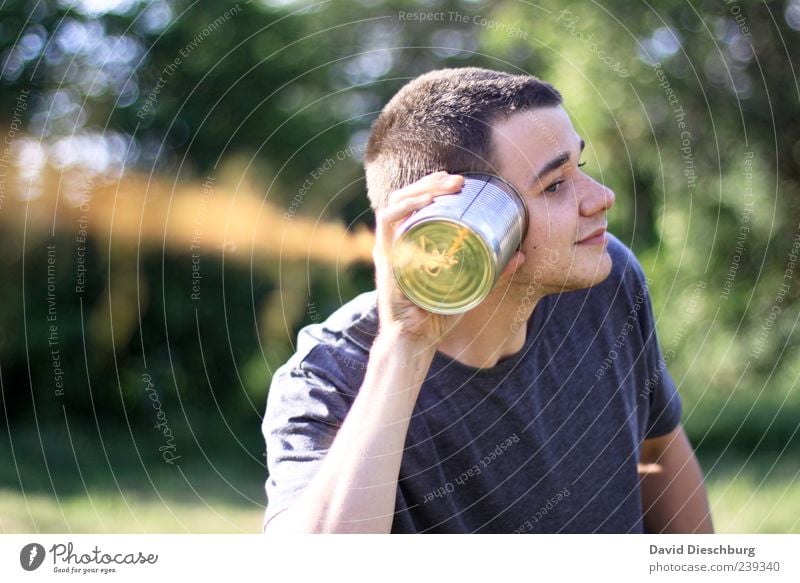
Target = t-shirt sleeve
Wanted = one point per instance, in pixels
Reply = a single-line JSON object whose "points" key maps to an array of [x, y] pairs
{"points": [[663, 398], [665, 407], [304, 412]]}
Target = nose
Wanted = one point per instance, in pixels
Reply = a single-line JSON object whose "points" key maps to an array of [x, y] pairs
{"points": [[597, 198]]}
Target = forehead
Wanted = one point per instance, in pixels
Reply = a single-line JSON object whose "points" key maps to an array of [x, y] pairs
{"points": [[535, 135]]}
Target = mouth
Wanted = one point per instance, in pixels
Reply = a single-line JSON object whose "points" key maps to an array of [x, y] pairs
{"points": [[597, 237]]}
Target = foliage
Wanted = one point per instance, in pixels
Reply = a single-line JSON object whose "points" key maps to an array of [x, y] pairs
{"points": [[689, 112]]}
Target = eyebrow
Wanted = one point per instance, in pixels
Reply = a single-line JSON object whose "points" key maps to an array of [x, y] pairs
{"points": [[552, 165]]}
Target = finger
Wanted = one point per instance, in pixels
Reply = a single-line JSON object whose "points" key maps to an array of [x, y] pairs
{"points": [[407, 200], [437, 183], [405, 207], [418, 195], [387, 219]]}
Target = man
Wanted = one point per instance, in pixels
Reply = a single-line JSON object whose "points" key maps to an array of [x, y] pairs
{"points": [[547, 408]]}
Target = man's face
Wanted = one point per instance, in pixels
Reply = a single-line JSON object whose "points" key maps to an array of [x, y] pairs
{"points": [[538, 151]]}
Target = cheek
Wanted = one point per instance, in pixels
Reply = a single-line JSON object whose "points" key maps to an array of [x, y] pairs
{"points": [[546, 246], [555, 217], [551, 229]]}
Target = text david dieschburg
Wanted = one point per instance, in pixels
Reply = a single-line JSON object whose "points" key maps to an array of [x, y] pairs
{"points": [[690, 549]]}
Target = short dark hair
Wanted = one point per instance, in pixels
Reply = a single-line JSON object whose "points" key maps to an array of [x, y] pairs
{"points": [[442, 120]]}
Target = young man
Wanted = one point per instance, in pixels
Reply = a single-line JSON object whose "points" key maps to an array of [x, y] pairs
{"points": [[547, 408]]}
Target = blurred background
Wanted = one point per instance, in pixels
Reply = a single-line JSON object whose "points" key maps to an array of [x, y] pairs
{"points": [[181, 190]]}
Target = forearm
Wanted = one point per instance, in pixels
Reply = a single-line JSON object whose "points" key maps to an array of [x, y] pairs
{"points": [[673, 492], [355, 488]]}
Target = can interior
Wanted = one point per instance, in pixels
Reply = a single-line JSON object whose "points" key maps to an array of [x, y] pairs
{"points": [[443, 266]]}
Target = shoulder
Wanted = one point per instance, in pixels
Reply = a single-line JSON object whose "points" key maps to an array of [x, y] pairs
{"points": [[336, 350], [625, 267], [626, 291], [353, 326], [627, 282]]}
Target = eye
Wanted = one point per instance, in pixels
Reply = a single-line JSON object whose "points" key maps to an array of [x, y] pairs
{"points": [[555, 186]]}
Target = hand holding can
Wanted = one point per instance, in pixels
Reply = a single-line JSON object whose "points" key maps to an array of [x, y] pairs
{"points": [[396, 311], [448, 255]]}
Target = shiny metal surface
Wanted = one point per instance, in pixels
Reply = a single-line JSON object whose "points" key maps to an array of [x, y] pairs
{"points": [[448, 255]]}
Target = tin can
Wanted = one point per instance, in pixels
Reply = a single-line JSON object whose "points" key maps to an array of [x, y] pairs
{"points": [[447, 256]]}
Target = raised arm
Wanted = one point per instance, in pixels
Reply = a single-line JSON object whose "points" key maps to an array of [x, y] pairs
{"points": [[355, 489], [674, 496], [356, 485]]}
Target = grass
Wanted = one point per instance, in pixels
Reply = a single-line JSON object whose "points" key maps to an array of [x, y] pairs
{"points": [[74, 483], [106, 512], [221, 490], [756, 495]]}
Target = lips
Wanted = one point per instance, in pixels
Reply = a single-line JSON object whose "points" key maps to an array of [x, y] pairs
{"points": [[597, 234]]}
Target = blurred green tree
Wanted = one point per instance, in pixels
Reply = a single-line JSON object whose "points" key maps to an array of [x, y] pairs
{"points": [[689, 112]]}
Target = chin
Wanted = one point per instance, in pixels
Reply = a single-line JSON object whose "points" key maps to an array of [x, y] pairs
{"points": [[602, 270], [590, 275]]}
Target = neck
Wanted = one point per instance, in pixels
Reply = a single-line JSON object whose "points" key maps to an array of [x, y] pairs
{"points": [[494, 330]]}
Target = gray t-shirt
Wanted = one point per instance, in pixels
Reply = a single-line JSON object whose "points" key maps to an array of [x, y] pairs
{"points": [[547, 440]]}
